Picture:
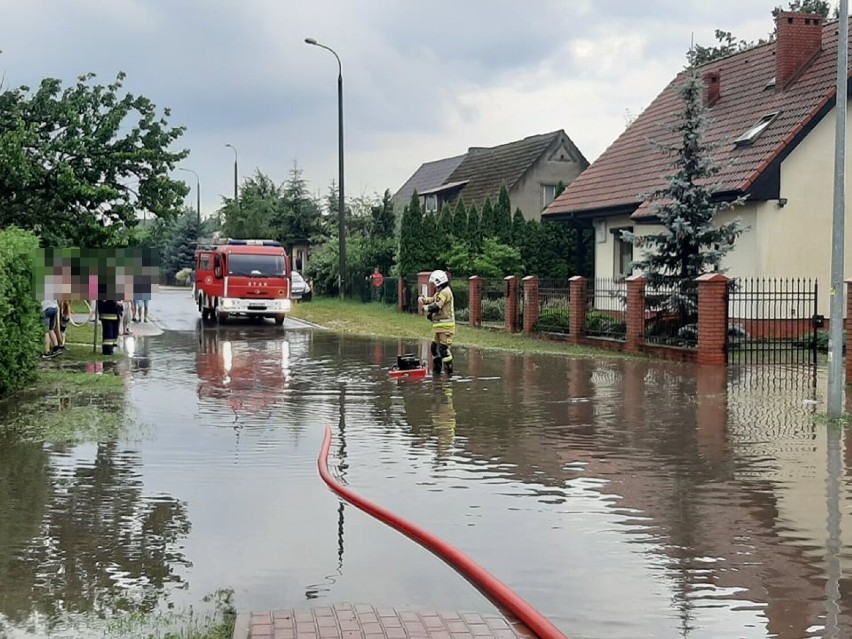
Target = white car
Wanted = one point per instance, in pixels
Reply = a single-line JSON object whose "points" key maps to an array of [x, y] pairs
{"points": [[299, 288]]}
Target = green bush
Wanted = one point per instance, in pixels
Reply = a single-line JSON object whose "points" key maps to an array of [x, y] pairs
{"points": [[21, 328], [463, 315], [494, 310], [555, 315], [600, 323]]}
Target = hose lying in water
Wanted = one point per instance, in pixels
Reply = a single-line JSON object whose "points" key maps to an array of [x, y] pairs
{"points": [[469, 569]]}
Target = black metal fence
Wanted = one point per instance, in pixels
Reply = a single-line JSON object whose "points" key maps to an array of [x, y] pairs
{"points": [[461, 299], [773, 321], [554, 306], [410, 293], [493, 301], [671, 315], [606, 304]]}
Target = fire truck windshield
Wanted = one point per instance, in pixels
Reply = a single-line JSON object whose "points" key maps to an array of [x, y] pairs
{"points": [[256, 265]]}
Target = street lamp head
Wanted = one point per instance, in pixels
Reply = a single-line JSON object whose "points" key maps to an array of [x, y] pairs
{"points": [[310, 41]]}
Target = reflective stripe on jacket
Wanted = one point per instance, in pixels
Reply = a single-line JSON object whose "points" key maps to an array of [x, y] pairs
{"points": [[444, 318]]}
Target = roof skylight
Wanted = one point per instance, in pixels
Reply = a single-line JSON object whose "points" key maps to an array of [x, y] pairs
{"points": [[752, 134]]}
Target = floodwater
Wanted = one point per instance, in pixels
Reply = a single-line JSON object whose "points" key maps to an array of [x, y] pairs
{"points": [[620, 498]]}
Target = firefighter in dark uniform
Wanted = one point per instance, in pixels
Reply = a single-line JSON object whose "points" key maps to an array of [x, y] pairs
{"points": [[109, 312]]}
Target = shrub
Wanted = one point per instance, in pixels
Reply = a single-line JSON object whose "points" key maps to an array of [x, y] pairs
{"points": [[494, 310], [555, 315], [604, 324], [463, 315], [182, 276], [21, 328]]}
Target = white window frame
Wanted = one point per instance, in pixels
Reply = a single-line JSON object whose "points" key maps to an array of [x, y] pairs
{"points": [[430, 203], [619, 273], [544, 201]]}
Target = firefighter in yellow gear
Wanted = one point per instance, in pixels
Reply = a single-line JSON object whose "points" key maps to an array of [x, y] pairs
{"points": [[109, 313], [441, 312]]}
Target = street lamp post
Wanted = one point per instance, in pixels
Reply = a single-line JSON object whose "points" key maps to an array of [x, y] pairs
{"points": [[341, 220], [197, 192], [236, 174]]}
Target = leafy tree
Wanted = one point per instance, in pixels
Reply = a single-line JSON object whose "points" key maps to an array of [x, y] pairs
{"points": [[474, 231], [503, 217], [460, 220], [255, 216], [690, 243], [487, 221], [727, 43], [78, 163], [519, 225], [560, 187], [496, 259]]}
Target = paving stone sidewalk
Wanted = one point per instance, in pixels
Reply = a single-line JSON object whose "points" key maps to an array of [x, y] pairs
{"points": [[362, 621]]}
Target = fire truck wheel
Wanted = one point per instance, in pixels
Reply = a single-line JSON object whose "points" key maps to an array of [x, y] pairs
{"points": [[221, 317], [279, 319]]}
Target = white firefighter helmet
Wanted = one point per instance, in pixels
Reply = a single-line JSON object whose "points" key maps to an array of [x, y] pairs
{"points": [[438, 278]]}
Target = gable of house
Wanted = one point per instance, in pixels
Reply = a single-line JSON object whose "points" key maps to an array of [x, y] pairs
{"points": [[760, 106], [430, 175], [483, 170]]}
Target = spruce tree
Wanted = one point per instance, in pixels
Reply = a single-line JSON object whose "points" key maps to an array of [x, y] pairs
{"points": [[460, 221], [503, 217], [431, 246], [411, 238], [474, 231], [690, 243], [519, 224], [486, 223], [446, 223]]}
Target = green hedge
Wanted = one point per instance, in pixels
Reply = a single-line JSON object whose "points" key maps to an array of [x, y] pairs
{"points": [[21, 328]]}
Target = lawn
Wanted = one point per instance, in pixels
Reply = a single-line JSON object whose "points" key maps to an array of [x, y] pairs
{"points": [[382, 320]]}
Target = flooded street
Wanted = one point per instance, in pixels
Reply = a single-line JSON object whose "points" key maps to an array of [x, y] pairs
{"points": [[622, 498]]}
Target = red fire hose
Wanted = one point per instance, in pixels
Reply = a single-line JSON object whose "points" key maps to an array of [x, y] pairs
{"points": [[469, 569]]}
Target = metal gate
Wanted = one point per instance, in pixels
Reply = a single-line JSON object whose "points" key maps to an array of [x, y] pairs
{"points": [[773, 321]]}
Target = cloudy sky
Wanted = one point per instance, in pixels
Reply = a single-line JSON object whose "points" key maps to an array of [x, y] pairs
{"points": [[422, 80]]}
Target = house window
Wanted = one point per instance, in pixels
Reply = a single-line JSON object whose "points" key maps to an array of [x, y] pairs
{"points": [[752, 134], [622, 254], [548, 194], [431, 203]]}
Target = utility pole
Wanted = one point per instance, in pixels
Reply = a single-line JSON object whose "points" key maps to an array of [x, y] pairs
{"points": [[838, 231]]}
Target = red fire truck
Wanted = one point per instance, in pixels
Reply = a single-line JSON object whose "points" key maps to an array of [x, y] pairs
{"points": [[242, 277]]}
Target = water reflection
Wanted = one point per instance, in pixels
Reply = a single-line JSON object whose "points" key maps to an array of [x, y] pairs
{"points": [[79, 536], [247, 376]]}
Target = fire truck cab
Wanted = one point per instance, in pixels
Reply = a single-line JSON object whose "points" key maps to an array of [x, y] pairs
{"points": [[242, 277]]}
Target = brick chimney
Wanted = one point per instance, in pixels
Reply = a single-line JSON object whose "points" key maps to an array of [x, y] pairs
{"points": [[713, 88], [798, 41]]}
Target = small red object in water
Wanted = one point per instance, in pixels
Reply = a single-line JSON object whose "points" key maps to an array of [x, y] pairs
{"points": [[412, 373]]}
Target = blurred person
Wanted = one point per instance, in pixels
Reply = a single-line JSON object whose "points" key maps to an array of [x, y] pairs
{"points": [[50, 311]]}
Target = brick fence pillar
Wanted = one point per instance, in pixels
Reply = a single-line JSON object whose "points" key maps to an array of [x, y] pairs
{"points": [[848, 327], [530, 303], [635, 312], [400, 293], [712, 319], [475, 301], [577, 299], [511, 319]]}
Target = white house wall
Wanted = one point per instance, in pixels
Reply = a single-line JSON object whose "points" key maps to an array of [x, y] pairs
{"points": [[797, 240]]}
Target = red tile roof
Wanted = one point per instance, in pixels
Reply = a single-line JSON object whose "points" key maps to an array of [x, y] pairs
{"points": [[632, 166]]}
